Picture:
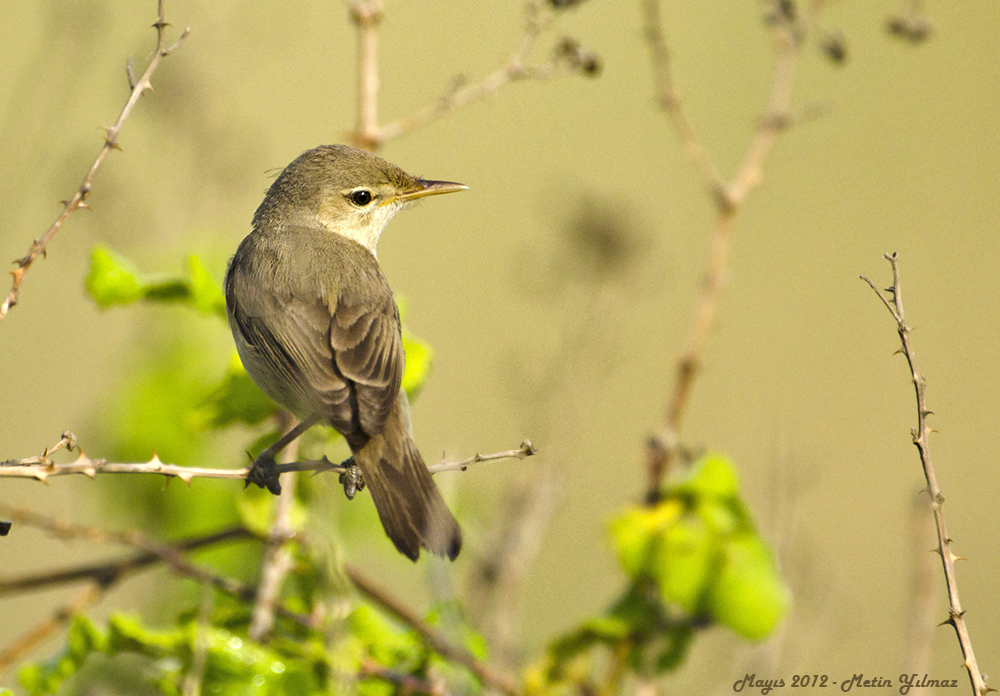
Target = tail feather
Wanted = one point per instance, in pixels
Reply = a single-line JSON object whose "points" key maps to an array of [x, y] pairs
{"points": [[409, 504]]}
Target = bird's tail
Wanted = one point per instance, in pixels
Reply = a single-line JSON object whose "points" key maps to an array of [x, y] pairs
{"points": [[408, 502]]}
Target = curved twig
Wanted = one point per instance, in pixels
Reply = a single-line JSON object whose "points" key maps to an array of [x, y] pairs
{"points": [[78, 200]]}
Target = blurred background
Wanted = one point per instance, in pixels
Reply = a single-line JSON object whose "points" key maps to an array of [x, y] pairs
{"points": [[556, 293]]}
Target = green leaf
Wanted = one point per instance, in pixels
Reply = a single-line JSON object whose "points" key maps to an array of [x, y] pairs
{"points": [[82, 639], [112, 279], [711, 476], [418, 364], [205, 291], [382, 639], [701, 550], [635, 532], [685, 563], [749, 595]]}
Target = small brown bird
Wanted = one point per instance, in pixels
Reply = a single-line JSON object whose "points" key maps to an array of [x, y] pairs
{"points": [[318, 330]]}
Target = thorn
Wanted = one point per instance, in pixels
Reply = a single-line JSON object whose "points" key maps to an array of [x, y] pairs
{"points": [[186, 477], [156, 461]]}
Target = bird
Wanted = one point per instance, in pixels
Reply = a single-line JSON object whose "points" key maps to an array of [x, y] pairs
{"points": [[317, 328]]}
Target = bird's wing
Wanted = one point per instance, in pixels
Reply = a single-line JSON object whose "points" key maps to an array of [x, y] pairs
{"points": [[368, 354], [339, 354]]}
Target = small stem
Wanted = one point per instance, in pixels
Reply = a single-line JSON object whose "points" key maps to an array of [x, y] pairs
{"points": [[77, 201]]}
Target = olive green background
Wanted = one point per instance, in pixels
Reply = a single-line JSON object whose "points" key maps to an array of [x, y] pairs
{"points": [[534, 338]]}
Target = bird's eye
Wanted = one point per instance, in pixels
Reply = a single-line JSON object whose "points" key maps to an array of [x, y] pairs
{"points": [[361, 197]]}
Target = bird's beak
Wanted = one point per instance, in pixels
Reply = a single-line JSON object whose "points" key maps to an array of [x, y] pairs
{"points": [[422, 187]]}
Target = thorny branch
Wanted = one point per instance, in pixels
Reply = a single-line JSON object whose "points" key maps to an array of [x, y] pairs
{"points": [[790, 34], [78, 200], [41, 467], [568, 57], [893, 301]]}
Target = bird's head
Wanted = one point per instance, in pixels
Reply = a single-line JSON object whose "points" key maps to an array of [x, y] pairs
{"points": [[345, 190]]}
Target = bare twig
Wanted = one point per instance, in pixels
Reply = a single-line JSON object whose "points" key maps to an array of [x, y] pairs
{"points": [[110, 572], [893, 300], [670, 100], [371, 136], [525, 450], [41, 467], [149, 552], [367, 14], [729, 196], [434, 638], [78, 200]]}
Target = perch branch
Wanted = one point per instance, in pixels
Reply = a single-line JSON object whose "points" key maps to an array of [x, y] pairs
{"points": [[78, 200], [893, 300], [41, 467]]}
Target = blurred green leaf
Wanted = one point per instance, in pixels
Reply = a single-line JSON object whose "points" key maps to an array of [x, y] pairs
{"points": [[418, 364], [700, 548], [233, 666], [114, 280], [684, 563], [82, 639], [749, 595]]}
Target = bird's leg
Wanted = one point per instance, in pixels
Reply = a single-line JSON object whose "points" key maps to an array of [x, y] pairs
{"points": [[264, 470], [352, 479]]}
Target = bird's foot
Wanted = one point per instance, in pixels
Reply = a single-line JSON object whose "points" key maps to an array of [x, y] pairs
{"points": [[351, 479], [264, 473]]}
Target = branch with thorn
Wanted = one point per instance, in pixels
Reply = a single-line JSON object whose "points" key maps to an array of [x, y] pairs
{"points": [[892, 298], [40, 246], [42, 467]]}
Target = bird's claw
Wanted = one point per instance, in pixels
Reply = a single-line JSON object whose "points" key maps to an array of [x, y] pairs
{"points": [[264, 473], [351, 479]]}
